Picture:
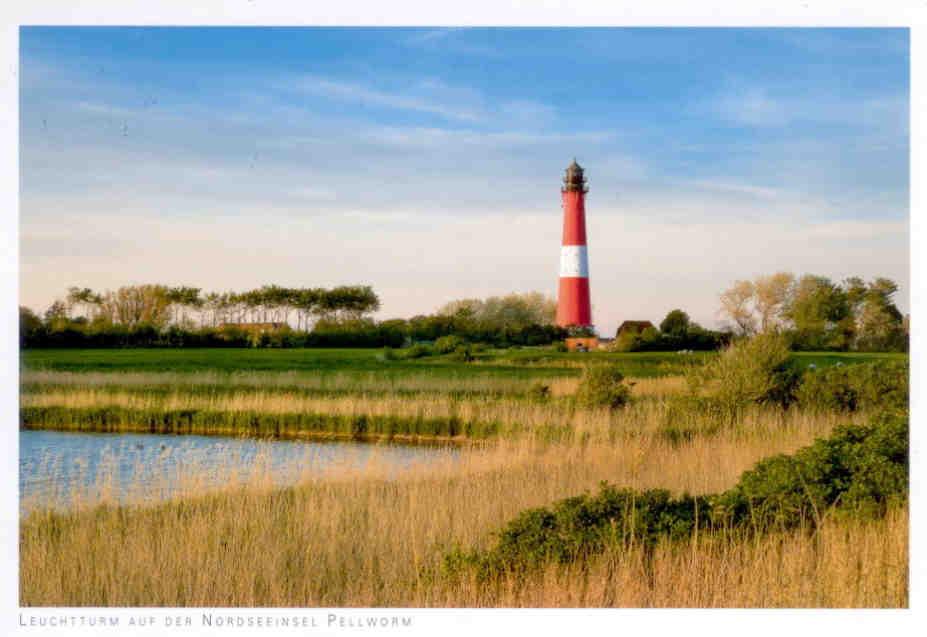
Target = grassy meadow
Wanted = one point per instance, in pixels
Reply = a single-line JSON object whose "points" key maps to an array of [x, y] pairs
{"points": [[359, 538]]}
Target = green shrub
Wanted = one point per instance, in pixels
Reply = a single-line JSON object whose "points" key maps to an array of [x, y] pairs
{"points": [[416, 351], [860, 469], [560, 346], [462, 354], [603, 386], [577, 526], [749, 371], [876, 385], [447, 344]]}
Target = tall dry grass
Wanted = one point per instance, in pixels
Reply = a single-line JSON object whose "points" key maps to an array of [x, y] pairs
{"points": [[369, 538], [517, 416], [360, 539], [359, 381]]}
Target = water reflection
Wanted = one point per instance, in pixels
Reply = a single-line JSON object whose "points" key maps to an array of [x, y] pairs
{"points": [[66, 470]]}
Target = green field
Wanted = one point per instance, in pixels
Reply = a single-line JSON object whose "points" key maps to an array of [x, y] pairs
{"points": [[526, 362]]}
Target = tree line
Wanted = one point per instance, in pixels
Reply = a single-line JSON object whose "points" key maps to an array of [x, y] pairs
{"points": [[817, 313], [274, 316], [161, 306], [813, 311]]}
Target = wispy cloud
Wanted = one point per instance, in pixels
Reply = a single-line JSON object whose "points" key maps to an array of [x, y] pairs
{"points": [[752, 107], [430, 35], [449, 40], [431, 98], [763, 108], [721, 185]]}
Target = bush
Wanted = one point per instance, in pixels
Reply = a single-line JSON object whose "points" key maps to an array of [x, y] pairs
{"points": [[576, 527], [876, 385], [749, 371], [462, 354], [860, 469], [416, 351], [603, 386], [447, 344]]}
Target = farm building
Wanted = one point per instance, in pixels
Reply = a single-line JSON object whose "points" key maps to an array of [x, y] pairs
{"points": [[635, 327]]}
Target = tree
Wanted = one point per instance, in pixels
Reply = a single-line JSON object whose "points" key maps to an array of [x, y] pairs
{"points": [[87, 298], [676, 323], [736, 306], [135, 304], [816, 309], [513, 311], [30, 326], [771, 294], [879, 323], [56, 314], [182, 299]]}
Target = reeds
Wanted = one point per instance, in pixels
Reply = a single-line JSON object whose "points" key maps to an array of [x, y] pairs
{"points": [[365, 537], [294, 414], [358, 538]]}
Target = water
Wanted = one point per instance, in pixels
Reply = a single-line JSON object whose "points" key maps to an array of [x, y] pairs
{"points": [[66, 470]]}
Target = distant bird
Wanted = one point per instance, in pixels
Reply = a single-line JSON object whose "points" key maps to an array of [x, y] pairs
{"points": [[125, 130]]}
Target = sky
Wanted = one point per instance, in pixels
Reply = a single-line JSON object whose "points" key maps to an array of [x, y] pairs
{"points": [[427, 162]]}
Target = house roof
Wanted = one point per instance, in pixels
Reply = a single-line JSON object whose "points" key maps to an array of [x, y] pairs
{"points": [[635, 326]]}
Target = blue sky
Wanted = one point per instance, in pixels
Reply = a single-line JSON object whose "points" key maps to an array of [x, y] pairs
{"points": [[426, 162]]}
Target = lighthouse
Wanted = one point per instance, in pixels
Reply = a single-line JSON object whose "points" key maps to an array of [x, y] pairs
{"points": [[573, 305]]}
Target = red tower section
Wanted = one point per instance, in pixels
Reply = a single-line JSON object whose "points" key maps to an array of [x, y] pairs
{"points": [[573, 304]]}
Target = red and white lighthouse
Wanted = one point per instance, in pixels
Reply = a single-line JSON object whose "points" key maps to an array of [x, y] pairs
{"points": [[573, 304]]}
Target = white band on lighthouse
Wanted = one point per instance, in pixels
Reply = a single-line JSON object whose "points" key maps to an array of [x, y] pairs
{"points": [[573, 262]]}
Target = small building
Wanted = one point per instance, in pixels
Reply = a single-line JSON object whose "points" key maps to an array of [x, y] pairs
{"points": [[633, 327], [582, 343]]}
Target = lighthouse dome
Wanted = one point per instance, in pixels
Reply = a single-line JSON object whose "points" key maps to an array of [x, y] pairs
{"points": [[574, 179]]}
